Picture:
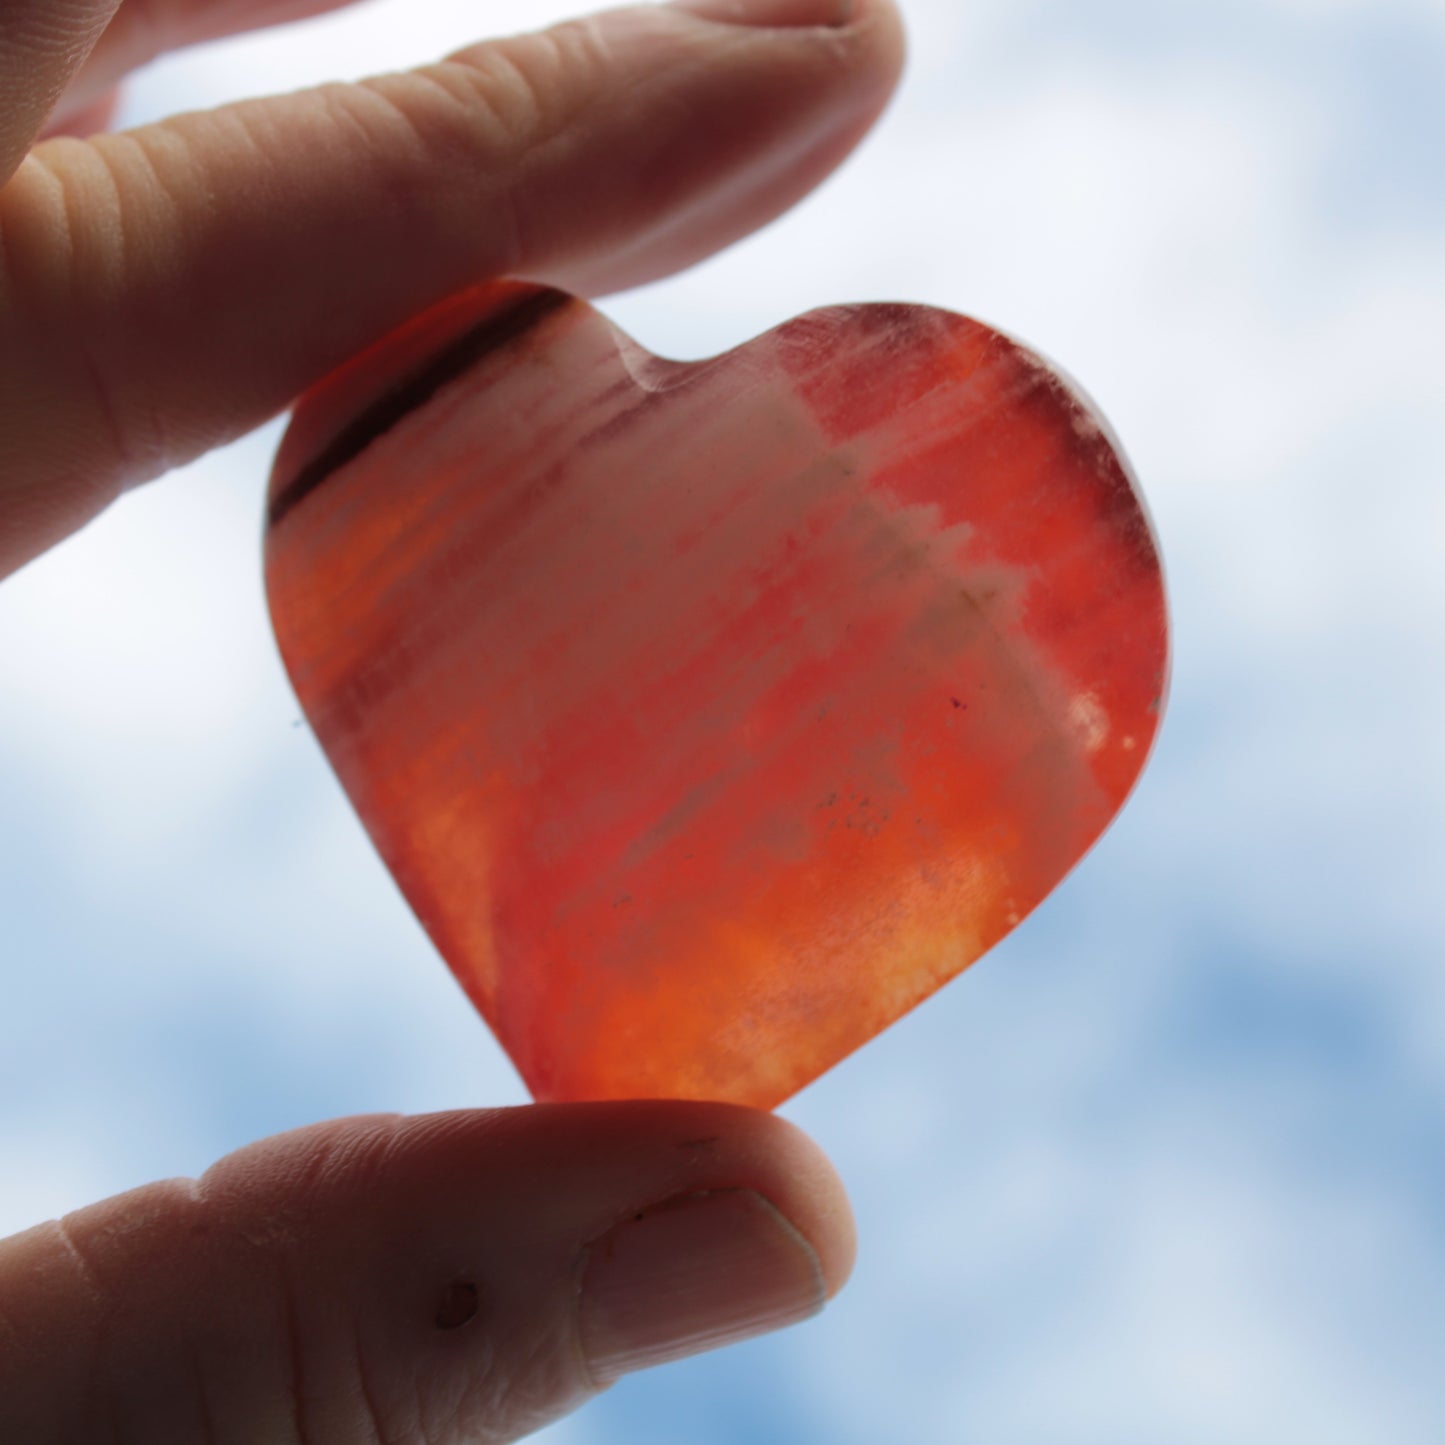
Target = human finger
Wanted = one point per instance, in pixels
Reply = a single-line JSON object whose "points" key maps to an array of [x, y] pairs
{"points": [[167, 289], [457, 1277], [43, 43]]}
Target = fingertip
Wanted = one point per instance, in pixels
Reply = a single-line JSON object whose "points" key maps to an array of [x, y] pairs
{"points": [[804, 96], [731, 1146], [813, 1197]]}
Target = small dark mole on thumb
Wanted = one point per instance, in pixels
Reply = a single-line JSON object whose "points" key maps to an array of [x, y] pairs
{"points": [[458, 1306]]}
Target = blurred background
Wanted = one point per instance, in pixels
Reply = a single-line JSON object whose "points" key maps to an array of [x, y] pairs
{"points": [[1169, 1165]]}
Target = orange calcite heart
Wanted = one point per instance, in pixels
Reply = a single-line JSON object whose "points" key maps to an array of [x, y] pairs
{"points": [[712, 715]]}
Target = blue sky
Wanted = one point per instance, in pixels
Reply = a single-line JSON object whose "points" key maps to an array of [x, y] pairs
{"points": [[1170, 1163]]}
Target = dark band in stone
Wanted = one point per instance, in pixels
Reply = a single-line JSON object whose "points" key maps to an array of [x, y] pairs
{"points": [[499, 328]]}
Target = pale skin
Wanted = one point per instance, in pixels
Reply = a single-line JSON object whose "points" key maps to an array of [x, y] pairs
{"points": [[385, 1279]]}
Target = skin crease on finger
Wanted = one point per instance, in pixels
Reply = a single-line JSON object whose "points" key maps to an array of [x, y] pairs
{"points": [[146, 282]]}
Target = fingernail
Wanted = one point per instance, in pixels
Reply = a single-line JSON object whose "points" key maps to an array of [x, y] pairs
{"points": [[694, 1274], [772, 14]]}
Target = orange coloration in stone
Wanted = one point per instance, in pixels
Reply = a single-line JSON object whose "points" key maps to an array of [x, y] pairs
{"points": [[712, 716]]}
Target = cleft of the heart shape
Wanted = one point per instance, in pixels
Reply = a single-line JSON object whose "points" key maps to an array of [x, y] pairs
{"points": [[711, 716]]}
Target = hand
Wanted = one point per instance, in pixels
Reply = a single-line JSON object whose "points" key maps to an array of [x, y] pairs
{"points": [[462, 1277], [168, 289]]}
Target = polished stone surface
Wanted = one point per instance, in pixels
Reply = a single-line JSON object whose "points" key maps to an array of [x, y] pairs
{"points": [[712, 716]]}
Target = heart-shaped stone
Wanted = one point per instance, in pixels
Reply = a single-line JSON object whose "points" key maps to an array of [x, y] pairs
{"points": [[711, 716]]}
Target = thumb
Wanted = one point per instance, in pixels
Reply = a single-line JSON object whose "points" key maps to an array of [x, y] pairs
{"points": [[450, 1278]]}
